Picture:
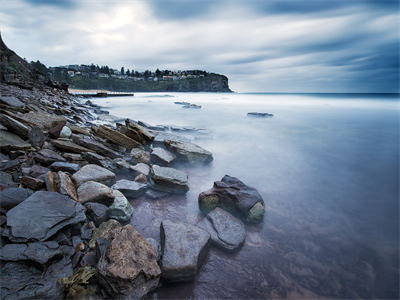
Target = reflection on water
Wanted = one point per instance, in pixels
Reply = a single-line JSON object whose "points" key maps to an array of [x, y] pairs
{"points": [[327, 168]]}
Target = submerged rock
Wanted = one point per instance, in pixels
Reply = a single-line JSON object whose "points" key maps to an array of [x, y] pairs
{"points": [[130, 189], [259, 115], [169, 180], [232, 194], [189, 152], [93, 173], [121, 210], [92, 191], [184, 247], [227, 232]]}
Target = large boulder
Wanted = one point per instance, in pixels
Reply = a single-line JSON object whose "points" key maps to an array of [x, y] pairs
{"points": [[161, 156], [227, 232], [13, 196], [169, 180], [117, 137], [184, 248], [10, 141], [130, 189], [232, 194], [128, 264], [121, 210], [189, 152], [92, 191], [41, 215], [93, 173]]}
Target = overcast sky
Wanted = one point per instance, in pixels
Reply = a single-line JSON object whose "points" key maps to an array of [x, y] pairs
{"points": [[272, 46]]}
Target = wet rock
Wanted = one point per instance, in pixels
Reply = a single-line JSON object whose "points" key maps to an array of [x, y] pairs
{"points": [[227, 232], [155, 194], [40, 252], [46, 157], [192, 106], [13, 196], [128, 265], [12, 101], [92, 191], [43, 120], [9, 164], [117, 137], [65, 132], [161, 156], [66, 186], [79, 130], [141, 178], [169, 180], [15, 126], [189, 152], [65, 167], [161, 137], [139, 156], [32, 183], [157, 247], [95, 146], [259, 115], [97, 212], [141, 132], [10, 141], [36, 137], [122, 164], [141, 168], [184, 248], [121, 210], [36, 171], [93, 173], [69, 146], [103, 230], [55, 131], [48, 211], [130, 189], [232, 194], [93, 158]]}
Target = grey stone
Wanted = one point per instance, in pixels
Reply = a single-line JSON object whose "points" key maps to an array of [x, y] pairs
{"points": [[40, 252], [162, 156], [169, 180], [15, 126], [67, 145], [157, 246], [12, 101], [139, 156], [36, 137], [13, 196], [65, 132], [47, 157], [121, 210], [93, 173], [141, 168], [9, 164], [93, 158], [92, 191], [189, 152], [97, 212], [64, 166], [10, 141], [6, 181], [95, 146], [130, 189]]}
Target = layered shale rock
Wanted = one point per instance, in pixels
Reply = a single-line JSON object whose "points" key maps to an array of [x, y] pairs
{"points": [[169, 180], [92, 191], [189, 152], [93, 173]]}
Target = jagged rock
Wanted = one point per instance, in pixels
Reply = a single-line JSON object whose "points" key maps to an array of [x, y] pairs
{"points": [[128, 265], [232, 194], [141, 168], [95, 146], [65, 132], [169, 180], [92, 191], [66, 186], [184, 248], [93, 158], [73, 157], [227, 232], [13, 196], [189, 152], [103, 230], [6, 181], [93, 173], [157, 246], [97, 212], [9, 164], [40, 252], [79, 130], [130, 189], [36, 171], [69, 146], [161, 137], [162, 156], [117, 137], [122, 164], [121, 210], [36, 137], [43, 120], [41, 215], [10, 141], [141, 178], [139, 156], [64, 166], [51, 180], [32, 183], [47, 157], [12, 101], [141, 132], [15, 126]]}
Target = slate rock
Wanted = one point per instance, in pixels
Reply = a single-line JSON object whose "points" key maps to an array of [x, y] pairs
{"points": [[117, 137], [130, 189], [15, 126], [9, 164], [93, 158], [189, 152], [65, 167], [11, 197], [95, 146], [12, 101], [97, 212], [67, 145], [161, 156], [66, 186], [40, 252], [169, 180], [6, 181], [121, 210], [92, 191], [141, 168], [46, 157], [10, 141], [32, 182], [93, 172], [37, 171], [138, 155], [36, 137]]}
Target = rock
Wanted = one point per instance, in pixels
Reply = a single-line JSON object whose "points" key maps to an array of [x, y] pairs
{"points": [[259, 115], [117, 137], [32, 183], [12, 101], [55, 131], [121, 210], [40, 252], [65, 132], [182, 103], [36, 171], [9, 164], [13, 196], [15, 126], [36, 137], [95, 146], [141, 178], [161, 137], [97, 212], [93, 173], [92, 191], [155, 194], [232, 194], [130, 189], [189, 152], [141, 132], [87, 231], [41, 215], [162, 156], [139, 156], [103, 230], [122, 164], [128, 264], [66, 186], [6, 181], [73, 157], [65, 167], [69, 146], [47, 157], [79, 130], [43, 120], [51, 180], [157, 247], [141, 168], [169, 180], [192, 106], [93, 158], [184, 248], [10, 141], [80, 285], [227, 232]]}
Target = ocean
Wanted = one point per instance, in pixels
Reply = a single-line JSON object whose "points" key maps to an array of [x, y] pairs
{"points": [[327, 167]]}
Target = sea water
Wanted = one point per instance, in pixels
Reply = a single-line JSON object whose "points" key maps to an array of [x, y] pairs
{"points": [[327, 166]]}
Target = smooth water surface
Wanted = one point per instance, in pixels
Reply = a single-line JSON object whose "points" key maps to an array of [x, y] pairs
{"points": [[327, 168]]}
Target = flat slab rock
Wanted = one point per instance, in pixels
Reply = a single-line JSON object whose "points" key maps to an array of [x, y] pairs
{"points": [[141, 168], [69, 146], [189, 152], [40, 252], [162, 156], [47, 157], [93, 173], [169, 180], [41, 215], [227, 232], [92, 191], [184, 248], [130, 189], [64, 166], [10, 141], [13, 196]]}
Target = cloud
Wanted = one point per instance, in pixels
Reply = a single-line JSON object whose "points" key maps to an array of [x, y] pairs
{"points": [[288, 46]]}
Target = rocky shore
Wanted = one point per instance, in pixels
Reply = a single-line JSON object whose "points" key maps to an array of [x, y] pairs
{"points": [[67, 179]]}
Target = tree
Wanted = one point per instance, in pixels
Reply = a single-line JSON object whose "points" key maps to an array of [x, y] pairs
{"points": [[122, 71], [128, 73], [158, 73]]}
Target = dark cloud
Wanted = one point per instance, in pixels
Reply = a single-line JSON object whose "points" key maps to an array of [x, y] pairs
{"points": [[54, 3]]}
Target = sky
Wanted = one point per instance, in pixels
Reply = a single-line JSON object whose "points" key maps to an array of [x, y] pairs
{"points": [[260, 45]]}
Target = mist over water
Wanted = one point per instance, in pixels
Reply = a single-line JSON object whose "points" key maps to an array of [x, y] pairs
{"points": [[327, 168]]}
